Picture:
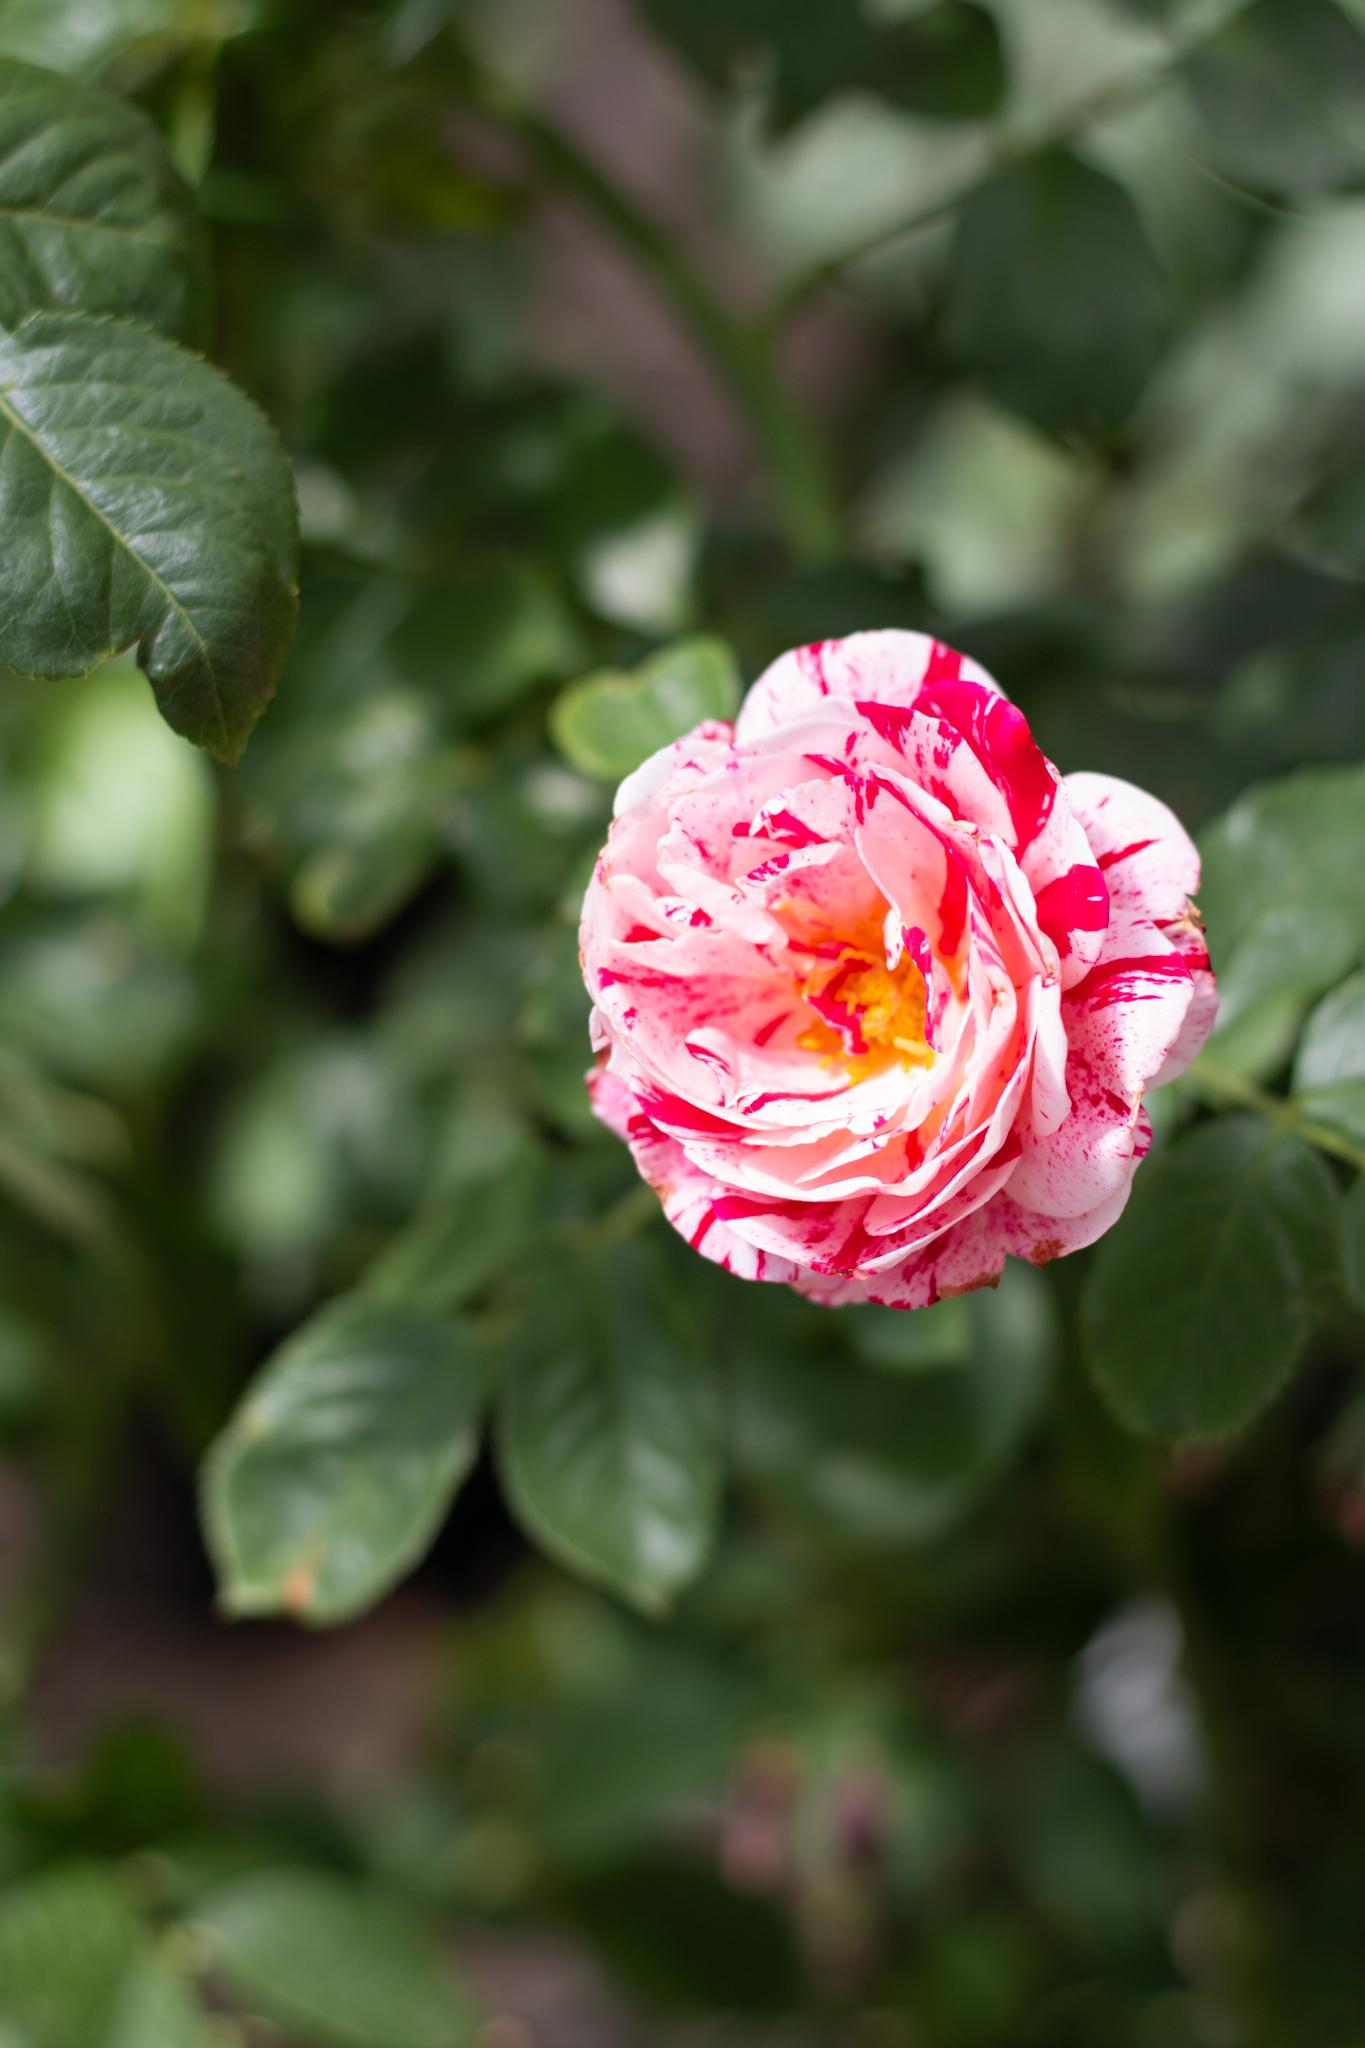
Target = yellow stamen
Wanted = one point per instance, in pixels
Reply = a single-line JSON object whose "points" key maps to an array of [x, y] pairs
{"points": [[889, 1005]]}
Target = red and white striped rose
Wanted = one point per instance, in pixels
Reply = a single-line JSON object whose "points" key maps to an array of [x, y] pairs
{"points": [[877, 992]]}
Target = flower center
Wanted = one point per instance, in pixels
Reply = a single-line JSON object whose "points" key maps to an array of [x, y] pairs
{"points": [[868, 1015]]}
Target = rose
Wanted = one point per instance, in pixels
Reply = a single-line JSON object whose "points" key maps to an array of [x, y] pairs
{"points": [[877, 993]]}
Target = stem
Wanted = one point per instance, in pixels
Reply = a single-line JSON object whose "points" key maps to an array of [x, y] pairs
{"points": [[1215, 1084], [743, 357]]}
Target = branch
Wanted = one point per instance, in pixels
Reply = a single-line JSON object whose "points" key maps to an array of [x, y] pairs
{"points": [[1220, 1086]]}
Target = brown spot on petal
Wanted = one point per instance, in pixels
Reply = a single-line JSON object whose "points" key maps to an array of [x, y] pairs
{"points": [[1189, 921], [1046, 1251], [968, 1287]]}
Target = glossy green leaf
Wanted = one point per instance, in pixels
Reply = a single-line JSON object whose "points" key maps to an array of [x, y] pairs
{"points": [[1201, 1302], [874, 1457], [146, 504], [607, 1431], [1280, 94], [1329, 1072], [1054, 296], [332, 1962], [1283, 902], [336, 1470], [1353, 1243], [93, 216], [609, 723]]}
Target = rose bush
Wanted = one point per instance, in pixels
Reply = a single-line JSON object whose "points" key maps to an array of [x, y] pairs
{"points": [[877, 992]]}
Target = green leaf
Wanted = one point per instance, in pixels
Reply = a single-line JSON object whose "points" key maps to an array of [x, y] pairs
{"points": [[93, 216], [1353, 1243], [356, 808], [1329, 1073], [1259, 1041], [488, 634], [947, 63], [146, 503], [1283, 902], [1202, 1301], [1280, 94], [606, 1429], [77, 1969], [157, 2009], [67, 1941], [1054, 296], [945, 60], [335, 1472], [450, 1254], [609, 723], [807, 51], [87, 35], [873, 1457], [332, 1962]]}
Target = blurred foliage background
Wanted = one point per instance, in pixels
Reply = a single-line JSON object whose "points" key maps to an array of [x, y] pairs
{"points": [[617, 348]]}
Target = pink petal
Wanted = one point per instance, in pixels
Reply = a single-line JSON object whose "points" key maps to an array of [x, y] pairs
{"points": [[1122, 1023], [888, 666], [1143, 851]]}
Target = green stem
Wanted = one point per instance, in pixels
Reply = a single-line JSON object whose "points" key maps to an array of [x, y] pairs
{"points": [[1219, 1086], [743, 357]]}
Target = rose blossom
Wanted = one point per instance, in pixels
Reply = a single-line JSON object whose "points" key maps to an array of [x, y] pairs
{"points": [[877, 992]]}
